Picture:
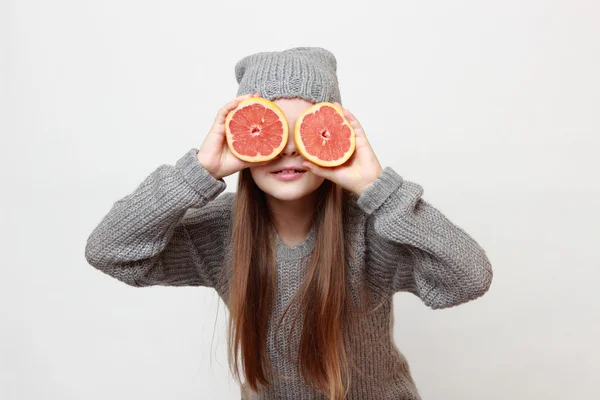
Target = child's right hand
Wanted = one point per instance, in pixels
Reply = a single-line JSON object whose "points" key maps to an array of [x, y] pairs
{"points": [[214, 154]]}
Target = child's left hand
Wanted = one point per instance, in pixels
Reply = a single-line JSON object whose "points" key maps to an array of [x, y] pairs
{"points": [[361, 169]]}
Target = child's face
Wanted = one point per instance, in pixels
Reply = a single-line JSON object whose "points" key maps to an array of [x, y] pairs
{"points": [[287, 186]]}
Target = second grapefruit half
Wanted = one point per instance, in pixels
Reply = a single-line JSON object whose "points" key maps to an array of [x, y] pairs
{"points": [[324, 136], [256, 130]]}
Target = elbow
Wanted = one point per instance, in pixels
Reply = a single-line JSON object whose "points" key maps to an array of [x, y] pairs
{"points": [[95, 254], [475, 282], [479, 280], [130, 274], [92, 256]]}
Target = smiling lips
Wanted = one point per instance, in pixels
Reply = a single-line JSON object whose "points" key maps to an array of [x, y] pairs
{"points": [[288, 168], [288, 173]]}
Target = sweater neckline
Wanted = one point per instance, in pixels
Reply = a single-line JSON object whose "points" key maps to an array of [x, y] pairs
{"points": [[300, 250]]}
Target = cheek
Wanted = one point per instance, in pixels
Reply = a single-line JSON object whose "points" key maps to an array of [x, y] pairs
{"points": [[260, 176], [315, 181], [257, 172]]}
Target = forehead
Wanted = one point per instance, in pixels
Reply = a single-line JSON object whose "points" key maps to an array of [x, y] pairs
{"points": [[292, 108]]}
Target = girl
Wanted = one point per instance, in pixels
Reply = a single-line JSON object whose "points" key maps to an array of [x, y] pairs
{"points": [[306, 267]]}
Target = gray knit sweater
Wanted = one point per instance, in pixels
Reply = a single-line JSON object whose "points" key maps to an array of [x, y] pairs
{"points": [[174, 230]]}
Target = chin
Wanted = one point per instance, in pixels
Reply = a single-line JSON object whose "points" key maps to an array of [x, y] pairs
{"points": [[284, 194]]}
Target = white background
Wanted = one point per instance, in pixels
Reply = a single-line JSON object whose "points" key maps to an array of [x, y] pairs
{"points": [[492, 106]]}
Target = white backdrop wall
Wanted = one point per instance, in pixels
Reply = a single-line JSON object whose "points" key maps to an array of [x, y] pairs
{"points": [[493, 107]]}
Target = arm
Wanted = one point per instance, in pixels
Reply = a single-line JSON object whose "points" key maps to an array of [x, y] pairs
{"points": [[145, 238], [413, 247]]}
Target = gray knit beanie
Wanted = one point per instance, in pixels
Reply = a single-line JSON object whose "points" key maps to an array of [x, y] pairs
{"points": [[305, 72]]}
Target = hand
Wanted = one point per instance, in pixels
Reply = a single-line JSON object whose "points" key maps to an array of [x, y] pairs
{"points": [[214, 154], [361, 169]]}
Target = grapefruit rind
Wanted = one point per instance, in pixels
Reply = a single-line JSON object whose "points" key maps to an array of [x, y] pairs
{"points": [[302, 149], [273, 107]]}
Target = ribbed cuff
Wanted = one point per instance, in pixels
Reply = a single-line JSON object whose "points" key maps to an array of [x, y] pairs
{"points": [[374, 196], [194, 173]]}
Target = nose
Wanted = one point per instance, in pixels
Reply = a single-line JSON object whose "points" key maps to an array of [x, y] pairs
{"points": [[290, 147]]}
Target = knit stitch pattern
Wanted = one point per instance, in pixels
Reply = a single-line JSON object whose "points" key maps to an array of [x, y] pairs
{"points": [[305, 72], [174, 230]]}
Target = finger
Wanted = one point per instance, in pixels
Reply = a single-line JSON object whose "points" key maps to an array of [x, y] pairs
{"points": [[234, 103], [243, 96], [349, 116], [358, 129], [227, 108], [223, 111]]}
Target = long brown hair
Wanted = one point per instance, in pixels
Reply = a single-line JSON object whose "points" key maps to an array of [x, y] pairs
{"points": [[323, 295]]}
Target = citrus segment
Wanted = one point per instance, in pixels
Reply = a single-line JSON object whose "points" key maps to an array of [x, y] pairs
{"points": [[256, 130], [324, 136]]}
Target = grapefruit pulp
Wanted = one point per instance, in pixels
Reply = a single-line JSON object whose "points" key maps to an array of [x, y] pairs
{"points": [[324, 136], [256, 130]]}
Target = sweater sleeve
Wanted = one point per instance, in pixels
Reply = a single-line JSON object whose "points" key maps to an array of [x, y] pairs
{"points": [[145, 238], [413, 247]]}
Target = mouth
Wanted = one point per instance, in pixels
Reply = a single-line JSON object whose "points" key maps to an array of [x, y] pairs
{"points": [[288, 171]]}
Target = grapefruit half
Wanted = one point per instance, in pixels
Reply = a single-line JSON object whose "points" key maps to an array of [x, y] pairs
{"points": [[324, 136], [256, 130]]}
